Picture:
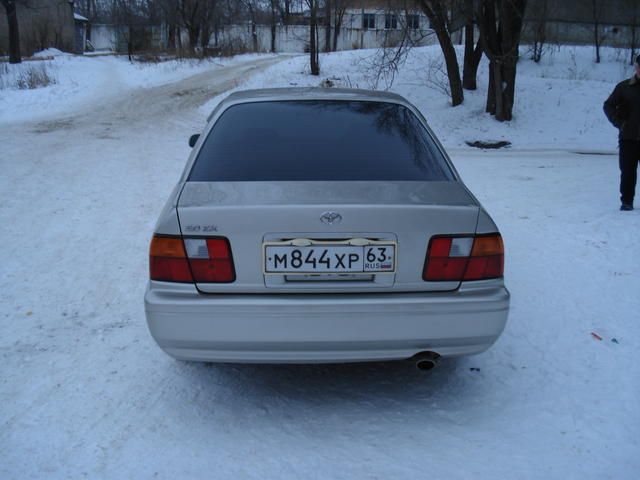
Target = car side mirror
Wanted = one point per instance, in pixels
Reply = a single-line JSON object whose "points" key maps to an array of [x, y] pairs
{"points": [[193, 139]]}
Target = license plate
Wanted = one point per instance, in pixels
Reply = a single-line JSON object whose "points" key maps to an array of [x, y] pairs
{"points": [[319, 258]]}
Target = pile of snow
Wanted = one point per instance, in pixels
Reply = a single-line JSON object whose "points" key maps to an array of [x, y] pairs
{"points": [[79, 81], [558, 101], [51, 52]]}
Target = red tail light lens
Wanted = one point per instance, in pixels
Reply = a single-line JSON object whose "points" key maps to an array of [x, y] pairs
{"points": [[487, 258], [464, 258], [189, 260], [210, 260], [168, 261]]}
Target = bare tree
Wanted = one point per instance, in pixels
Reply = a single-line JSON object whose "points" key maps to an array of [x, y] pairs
{"points": [[207, 22], [438, 13], [633, 7], [88, 8], [472, 50], [597, 10], [327, 25], [275, 8], [123, 14], [386, 64], [14, 31], [339, 9], [500, 23], [251, 7], [190, 12], [538, 27], [284, 7], [314, 57]]}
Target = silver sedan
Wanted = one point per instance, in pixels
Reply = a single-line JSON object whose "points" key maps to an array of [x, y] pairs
{"points": [[323, 225]]}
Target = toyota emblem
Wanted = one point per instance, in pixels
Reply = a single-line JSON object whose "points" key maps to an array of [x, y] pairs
{"points": [[330, 218]]}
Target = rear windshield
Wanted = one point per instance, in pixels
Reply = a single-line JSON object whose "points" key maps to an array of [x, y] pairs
{"points": [[319, 140]]}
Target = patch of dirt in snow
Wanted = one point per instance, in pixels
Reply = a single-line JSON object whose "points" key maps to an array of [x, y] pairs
{"points": [[54, 125]]}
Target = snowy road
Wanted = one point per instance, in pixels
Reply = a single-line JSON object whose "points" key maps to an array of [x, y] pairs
{"points": [[84, 391]]}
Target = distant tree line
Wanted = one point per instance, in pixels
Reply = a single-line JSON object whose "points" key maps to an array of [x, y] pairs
{"points": [[492, 28]]}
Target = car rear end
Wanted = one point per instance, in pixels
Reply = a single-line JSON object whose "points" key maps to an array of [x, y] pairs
{"points": [[322, 227]]}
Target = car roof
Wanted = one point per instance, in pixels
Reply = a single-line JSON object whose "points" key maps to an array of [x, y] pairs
{"points": [[313, 93], [308, 93]]}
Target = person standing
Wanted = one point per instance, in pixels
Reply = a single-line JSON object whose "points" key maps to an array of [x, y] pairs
{"points": [[622, 108]]}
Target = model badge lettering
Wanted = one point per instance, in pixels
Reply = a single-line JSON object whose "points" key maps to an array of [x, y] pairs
{"points": [[201, 228]]}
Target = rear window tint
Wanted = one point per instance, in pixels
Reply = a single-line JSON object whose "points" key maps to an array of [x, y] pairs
{"points": [[321, 141]]}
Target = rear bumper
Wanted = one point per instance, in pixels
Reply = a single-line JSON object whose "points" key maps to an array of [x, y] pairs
{"points": [[304, 328]]}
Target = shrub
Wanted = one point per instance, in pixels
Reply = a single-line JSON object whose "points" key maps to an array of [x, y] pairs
{"points": [[25, 77]]}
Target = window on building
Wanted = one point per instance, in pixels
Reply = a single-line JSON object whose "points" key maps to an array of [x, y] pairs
{"points": [[413, 22], [390, 22], [369, 21]]}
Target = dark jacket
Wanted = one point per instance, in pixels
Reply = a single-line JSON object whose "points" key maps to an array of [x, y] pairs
{"points": [[623, 108]]}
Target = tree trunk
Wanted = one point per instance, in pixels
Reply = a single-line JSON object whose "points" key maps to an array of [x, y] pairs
{"points": [[633, 44], [634, 23], [468, 78], [496, 82], [129, 45], [491, 93], [337, 25], [254, 33], [596, 33], [194, 32], [437, 13], [477, 57], [204, 38], [313, 37], [171, 38], [471, 64], [501, 41], [14, 32], [453, 70], [472, 54], [254, 36], [508, 77], [274, 25], [287, 12], [327, 26], [596, 28]]}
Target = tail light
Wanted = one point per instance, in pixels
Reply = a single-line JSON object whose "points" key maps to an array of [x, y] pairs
{"points": [[210, 260], [168, 261], [189, 260], [460, 258]]}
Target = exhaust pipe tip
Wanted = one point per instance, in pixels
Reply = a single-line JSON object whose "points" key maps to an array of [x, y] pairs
{"points": [[426, 360]]}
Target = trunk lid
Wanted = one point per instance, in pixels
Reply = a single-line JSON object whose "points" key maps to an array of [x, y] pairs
{"points": [[404, 213]]}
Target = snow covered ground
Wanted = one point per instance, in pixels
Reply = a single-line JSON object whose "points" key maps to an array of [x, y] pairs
{"points": [[558, 101], [82, 80], [84, 391]]}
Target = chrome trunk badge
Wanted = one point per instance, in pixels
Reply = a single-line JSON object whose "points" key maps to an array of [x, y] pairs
{"points": [[330, 218]]}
